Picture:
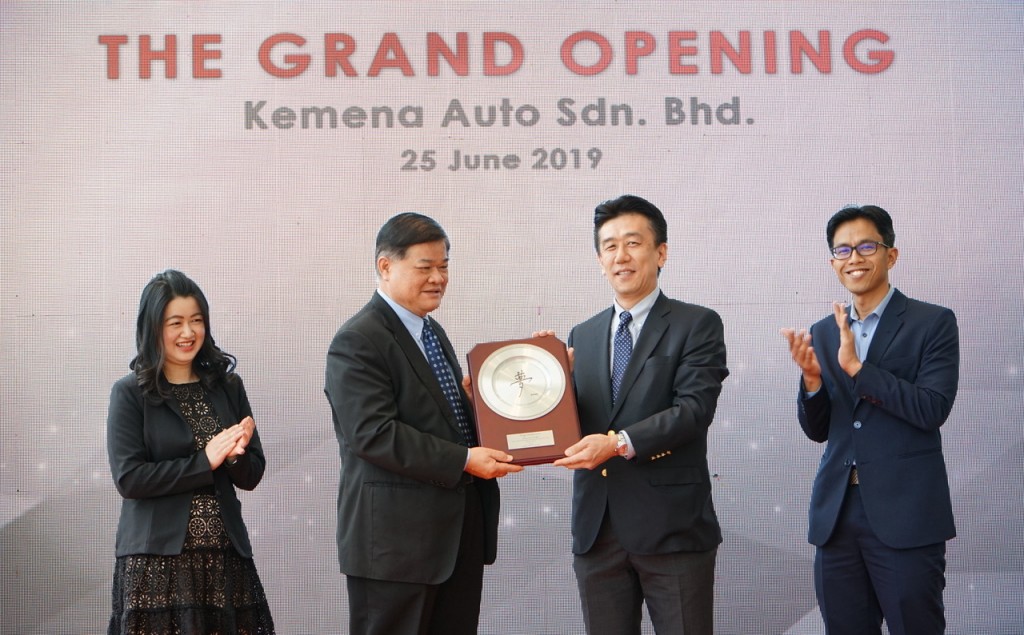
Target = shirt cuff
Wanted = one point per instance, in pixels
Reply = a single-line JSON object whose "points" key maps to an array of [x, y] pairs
{"points": [[630, 452]]}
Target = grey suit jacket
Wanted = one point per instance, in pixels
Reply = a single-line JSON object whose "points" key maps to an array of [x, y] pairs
{"points": [[886, 420], [156, 469], [402, 486], [659, 501]]}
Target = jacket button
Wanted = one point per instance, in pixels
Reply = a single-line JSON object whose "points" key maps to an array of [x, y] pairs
{"points": [[857, 424], [604, 472]]}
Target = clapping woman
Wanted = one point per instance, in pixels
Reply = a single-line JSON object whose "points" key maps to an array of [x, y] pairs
{"points": [[180, 438]]}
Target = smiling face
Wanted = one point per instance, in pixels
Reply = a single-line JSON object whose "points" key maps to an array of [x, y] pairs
{"points": [[629, 257], [184, 331], [417, 281], [866, 277]]}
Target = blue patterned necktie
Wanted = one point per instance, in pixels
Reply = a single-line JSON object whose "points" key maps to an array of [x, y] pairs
{"points": [[443, 372], [623, 349]]}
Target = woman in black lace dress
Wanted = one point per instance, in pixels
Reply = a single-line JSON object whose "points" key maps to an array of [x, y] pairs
{"points": [[180, 438]]}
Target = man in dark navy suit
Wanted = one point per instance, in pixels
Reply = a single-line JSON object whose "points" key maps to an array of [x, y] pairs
{"points": [[878, 381]]}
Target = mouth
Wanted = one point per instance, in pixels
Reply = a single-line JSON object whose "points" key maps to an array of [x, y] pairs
{"points": [[624, 272], [856, 273], [185, 346]]}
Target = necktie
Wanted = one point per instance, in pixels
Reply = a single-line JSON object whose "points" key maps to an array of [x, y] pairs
{"points": [[439, 365], [623, 349]]}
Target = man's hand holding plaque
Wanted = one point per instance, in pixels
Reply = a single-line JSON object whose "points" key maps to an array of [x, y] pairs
{"points": [[524, 399]]}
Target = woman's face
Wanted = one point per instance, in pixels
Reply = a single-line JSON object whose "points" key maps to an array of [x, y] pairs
{"points": [[184, 331]]}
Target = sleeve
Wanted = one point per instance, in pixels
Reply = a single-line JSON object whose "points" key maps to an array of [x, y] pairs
{"points": [[248, 471], [926, 401], [814, 412], [369, 420], [134, 465], [697, 383]]}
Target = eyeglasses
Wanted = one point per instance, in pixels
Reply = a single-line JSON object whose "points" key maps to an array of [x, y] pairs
{"points": [[866, 248]]}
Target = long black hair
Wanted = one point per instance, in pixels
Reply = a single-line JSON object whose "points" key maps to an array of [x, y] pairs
{"points": [[211, 364]]}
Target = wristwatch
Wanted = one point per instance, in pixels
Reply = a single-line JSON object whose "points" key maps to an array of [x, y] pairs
{"points": [[621, 448]]}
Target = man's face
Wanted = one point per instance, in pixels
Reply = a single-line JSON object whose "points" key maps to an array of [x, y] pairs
{"points": [[629, 258], [866, 277], [417, 281]]}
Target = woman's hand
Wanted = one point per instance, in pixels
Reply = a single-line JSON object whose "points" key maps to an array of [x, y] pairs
{"points": [[224, 444]]}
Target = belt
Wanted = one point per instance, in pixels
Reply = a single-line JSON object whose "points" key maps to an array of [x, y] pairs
{"points": [[854, 479]]}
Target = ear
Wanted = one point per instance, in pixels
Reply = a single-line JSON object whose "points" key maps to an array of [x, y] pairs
{"points": [[893, 256], [662, 254], [384, 267]]}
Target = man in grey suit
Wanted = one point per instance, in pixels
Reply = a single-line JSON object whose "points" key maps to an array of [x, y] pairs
{"points": [[418, 503], [648, 371]]}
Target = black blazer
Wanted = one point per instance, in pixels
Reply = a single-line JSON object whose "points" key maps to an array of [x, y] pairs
{"points": [[659, 501], [156, 469], [402, 487], [886, 420]]}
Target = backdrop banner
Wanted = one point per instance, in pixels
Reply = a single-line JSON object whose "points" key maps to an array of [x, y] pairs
{"points": [[259, 146]]}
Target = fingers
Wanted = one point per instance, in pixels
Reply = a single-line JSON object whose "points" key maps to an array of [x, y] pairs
{"points": [[571, 351], [467, 385], [589, 452], [799, 344], [222, 444], [489, 463], [839, 309], [248, 424]]}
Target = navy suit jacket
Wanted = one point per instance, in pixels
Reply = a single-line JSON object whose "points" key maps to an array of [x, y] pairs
{"points": [[886, 420], [402, 488], [659, 501], [156, 468]]}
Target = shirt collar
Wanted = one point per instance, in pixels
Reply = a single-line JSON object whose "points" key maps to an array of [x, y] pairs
{"points": [[412, 322], [877, 310], [640, 309]]}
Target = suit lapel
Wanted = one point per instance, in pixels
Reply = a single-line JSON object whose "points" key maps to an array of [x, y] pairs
{"points": [[219, 399], [417, 361], [653, 329], [600, 371], [171, 402], [888, 326]]}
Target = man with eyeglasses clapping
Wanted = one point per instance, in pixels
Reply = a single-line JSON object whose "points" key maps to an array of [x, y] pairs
{"points": [[879, 377]]}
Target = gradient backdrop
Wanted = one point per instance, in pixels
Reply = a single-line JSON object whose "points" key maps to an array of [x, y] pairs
{"points": [[248, 144]]}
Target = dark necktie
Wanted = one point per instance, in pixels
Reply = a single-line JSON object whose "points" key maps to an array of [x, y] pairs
{"points": [[439, 364], [623, 349]]}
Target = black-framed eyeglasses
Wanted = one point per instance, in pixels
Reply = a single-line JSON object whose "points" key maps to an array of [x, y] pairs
{"points": [[866, 248]]}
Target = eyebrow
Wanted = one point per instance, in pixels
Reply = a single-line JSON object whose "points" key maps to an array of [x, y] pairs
{"points": [[181, 317], [626, 235]]}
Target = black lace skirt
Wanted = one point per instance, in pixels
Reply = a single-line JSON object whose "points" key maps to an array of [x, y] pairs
{"points": [[209, 589]]}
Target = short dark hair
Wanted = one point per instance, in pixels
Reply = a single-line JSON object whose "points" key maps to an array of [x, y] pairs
{"points": [[211, 364], [878, 217], [630, 204], [405, 230]]}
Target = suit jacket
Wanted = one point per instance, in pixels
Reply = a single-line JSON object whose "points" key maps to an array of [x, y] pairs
{"points": [[659, 501], [887, 420], [402, 488], [156, 468]]}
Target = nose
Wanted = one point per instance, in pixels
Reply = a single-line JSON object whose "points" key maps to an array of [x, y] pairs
{"points": [[621, 254], [187, 329]]}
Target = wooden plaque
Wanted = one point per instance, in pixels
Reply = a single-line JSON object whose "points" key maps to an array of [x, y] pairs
{"points": [[524, 399]]}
